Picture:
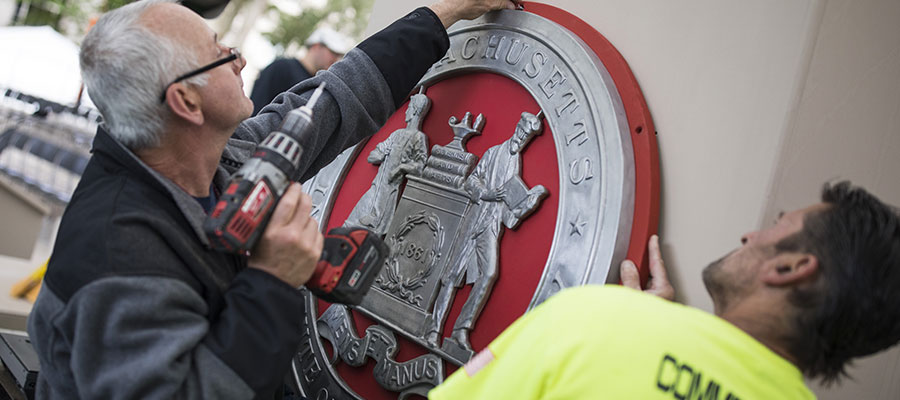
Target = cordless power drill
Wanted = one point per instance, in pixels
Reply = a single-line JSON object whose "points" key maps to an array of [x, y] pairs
{"points": [[351, 257]]}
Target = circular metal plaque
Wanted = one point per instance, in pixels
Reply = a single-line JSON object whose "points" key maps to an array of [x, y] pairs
{"points": [[586, 127]]}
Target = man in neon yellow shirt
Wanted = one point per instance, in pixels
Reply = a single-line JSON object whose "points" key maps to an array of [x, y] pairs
{"points": [[803, 297]]}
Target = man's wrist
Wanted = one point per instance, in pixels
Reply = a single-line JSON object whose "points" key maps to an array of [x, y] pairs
{"points": [[272, 275], [446, 14]]}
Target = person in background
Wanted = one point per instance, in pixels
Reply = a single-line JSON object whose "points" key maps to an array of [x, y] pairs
{"points": [[323, 48], [802, 298]]}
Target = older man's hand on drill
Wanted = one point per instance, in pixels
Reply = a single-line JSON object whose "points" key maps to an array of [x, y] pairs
{"points": [[291, 245]]}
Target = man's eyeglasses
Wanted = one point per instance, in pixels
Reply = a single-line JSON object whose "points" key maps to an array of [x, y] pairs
{"points": [[234, 54]]}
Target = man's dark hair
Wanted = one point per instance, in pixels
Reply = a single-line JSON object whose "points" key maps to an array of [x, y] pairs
{"points": [[853, 310]]}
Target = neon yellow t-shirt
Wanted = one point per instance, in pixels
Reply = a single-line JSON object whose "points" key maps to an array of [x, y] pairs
{"points": [[611, 342]]}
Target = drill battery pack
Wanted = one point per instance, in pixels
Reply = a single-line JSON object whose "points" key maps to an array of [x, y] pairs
{"points": [[351, 259]]}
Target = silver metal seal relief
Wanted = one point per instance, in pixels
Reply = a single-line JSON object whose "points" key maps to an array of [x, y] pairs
{"points": [[446, 224]]}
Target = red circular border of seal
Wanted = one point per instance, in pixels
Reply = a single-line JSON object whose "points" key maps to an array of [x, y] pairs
{"points": [[643, 133]]}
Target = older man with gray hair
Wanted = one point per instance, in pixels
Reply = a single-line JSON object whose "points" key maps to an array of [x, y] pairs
{"points": [[135, 303]]}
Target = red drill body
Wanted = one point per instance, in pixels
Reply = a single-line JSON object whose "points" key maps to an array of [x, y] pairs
{"points": [[351, 257]]}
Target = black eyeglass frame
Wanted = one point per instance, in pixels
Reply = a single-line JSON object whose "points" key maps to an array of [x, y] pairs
{"points": [[234, 55]]}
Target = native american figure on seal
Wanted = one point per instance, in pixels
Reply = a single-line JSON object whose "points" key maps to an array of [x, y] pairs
{"points": [[403, 152], [498, 197]]}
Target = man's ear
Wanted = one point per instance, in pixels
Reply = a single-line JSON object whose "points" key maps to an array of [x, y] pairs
{"points": [[790, 268], [185, 103]]}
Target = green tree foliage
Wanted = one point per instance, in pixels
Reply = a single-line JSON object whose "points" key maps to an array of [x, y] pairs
{"points": [[347, 16], [50, 12], [55, 12], [114, 4]]}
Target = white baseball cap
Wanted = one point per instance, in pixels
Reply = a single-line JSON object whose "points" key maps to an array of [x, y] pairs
{"points": [[331, 39]]}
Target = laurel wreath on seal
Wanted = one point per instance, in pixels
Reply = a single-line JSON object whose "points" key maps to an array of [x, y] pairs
{"points": [[394, 282]]}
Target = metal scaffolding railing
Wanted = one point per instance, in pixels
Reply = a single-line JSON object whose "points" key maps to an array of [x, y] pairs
{"points": [[44, 146]]}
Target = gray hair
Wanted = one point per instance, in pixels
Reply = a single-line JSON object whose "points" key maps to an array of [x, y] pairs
{"points": [[126, 67]]}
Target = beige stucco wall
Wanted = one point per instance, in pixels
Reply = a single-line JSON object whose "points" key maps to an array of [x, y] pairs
{"points": [[847, 126], [756, 104]]}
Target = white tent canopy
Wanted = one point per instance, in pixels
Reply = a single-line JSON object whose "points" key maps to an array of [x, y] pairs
{"points": [[40, 62]]}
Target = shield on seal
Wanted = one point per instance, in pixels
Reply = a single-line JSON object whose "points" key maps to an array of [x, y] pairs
{"points": [[541, 174]]}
